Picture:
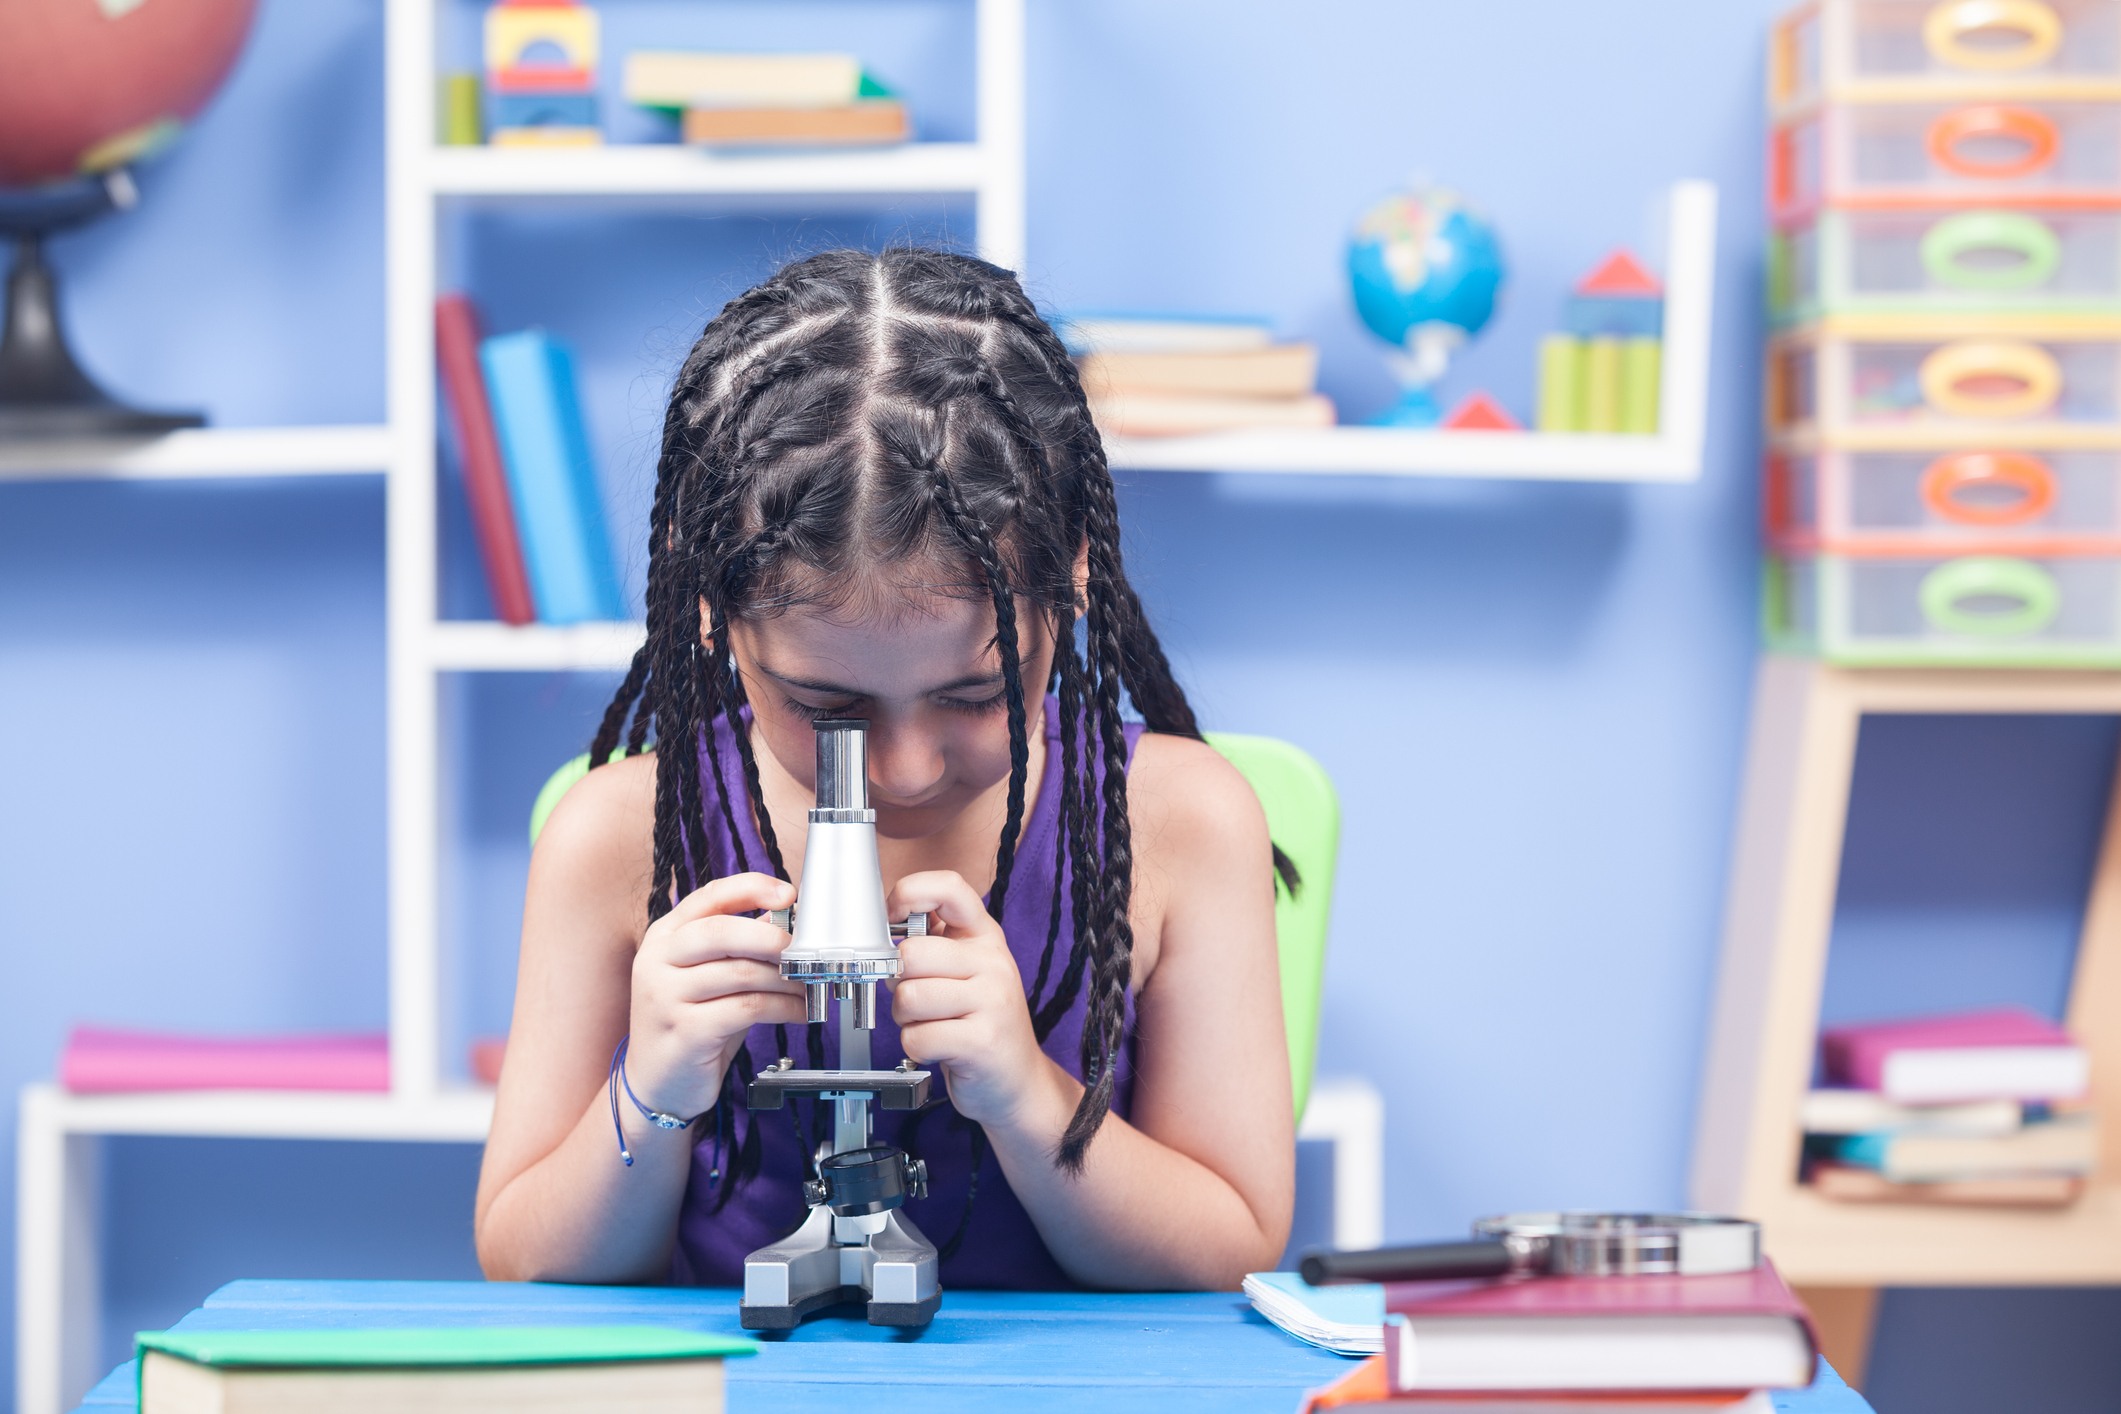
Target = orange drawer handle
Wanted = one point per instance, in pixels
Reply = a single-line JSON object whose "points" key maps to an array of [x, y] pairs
{"points": [[2034, 130], [1946, 477]]}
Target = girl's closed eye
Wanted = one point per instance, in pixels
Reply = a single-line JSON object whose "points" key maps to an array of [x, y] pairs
{"points": [[810, 713], [981, 707]]}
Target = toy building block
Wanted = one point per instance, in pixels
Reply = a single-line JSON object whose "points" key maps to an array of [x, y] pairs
{"points": [[1641, 379], [541, 46], [547, 135], [1561, 359], [459, 107], [545, 110], [1480, 413], [1619, 299]]}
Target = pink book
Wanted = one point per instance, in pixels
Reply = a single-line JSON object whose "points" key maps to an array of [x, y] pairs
{"points": [[1746, 1330], [2008, 1053], [99, 1060]]}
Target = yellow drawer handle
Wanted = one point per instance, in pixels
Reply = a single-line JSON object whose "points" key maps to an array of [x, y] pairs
{"points": [[1949, 29], [1991, 378]]}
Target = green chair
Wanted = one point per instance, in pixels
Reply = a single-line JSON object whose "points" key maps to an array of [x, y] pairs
{"points": [[1303, 816]]}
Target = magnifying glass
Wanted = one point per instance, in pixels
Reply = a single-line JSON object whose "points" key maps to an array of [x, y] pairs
{"points": [[1576, 1244]]}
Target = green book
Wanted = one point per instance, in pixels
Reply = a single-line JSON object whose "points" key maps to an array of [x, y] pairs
{"points": [[468, 1370]]}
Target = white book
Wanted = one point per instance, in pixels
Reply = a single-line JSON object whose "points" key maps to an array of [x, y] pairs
{"points": [[1868, 1112], [1927, 1075], [1109, 333]]}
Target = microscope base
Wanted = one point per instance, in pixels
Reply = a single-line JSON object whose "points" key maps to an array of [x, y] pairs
{"points": [[894, 1272]]}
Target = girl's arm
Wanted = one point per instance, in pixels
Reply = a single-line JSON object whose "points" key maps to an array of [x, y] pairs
{"points": [[1198, 1188], [556, 1203]]}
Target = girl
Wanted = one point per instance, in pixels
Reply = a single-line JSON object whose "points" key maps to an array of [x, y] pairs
{"points": [[880, 495]]}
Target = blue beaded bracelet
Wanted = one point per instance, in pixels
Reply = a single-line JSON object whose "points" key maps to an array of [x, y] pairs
{"points": [[657, 1118]]}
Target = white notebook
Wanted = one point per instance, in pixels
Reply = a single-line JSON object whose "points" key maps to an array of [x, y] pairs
{"points": [[1347, 1320]]}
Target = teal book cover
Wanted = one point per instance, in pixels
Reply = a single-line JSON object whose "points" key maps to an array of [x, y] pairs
{"points": [[530, 380]]}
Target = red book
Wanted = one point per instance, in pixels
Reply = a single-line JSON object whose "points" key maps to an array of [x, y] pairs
{"points": [[1743, 1331], [2008, 1053], [98, 1060], [485, 477]]}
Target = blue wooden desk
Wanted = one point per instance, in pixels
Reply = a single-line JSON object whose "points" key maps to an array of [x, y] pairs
{"points": [[1036, 1351]]}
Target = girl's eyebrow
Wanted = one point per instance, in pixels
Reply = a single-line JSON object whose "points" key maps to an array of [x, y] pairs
{"points": [[833, 689]]}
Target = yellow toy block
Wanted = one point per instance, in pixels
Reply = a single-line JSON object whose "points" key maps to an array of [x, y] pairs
{"points": [[515, 27]]}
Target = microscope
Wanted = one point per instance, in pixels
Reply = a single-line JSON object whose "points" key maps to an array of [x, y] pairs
{"points": [[857, 1244]]}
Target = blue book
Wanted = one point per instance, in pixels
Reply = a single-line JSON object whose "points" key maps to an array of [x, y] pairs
{"points": [[530, 380]]}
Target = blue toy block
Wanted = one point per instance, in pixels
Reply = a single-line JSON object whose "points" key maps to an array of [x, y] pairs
{"points": [[544, 110], [1620, 316]]}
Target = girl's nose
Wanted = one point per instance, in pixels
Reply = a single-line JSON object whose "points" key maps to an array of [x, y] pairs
{"points": [[905, 763]]}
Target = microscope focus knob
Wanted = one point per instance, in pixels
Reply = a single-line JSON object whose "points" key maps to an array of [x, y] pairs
{"points": [[814, 1192], [917, 1177]]}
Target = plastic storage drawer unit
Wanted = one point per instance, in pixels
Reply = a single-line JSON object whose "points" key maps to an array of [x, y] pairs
{"points": [[1909, 381], [1984, 260], [1967, 611], [1946, 154], [1914, 49], [2025, 502]]}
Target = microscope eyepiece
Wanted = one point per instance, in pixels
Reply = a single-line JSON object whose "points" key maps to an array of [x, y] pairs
{"points": [[842, 763]]}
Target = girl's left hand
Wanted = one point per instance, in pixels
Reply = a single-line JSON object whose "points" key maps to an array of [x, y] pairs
{"points": [[959, 1002]]}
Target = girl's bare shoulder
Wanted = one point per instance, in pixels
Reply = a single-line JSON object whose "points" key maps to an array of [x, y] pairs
{"points": [[597, 847], [1189, 792], [1203, 862]]}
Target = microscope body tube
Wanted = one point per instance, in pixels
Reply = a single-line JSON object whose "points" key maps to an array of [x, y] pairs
{"points": [[842, 946]]}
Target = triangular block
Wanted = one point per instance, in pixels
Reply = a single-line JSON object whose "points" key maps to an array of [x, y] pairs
{"points": [[1620, 275], [1481, 413]]}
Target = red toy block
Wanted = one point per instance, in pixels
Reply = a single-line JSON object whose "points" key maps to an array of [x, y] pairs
{"points": [[1620, 275], [1481, 413]]}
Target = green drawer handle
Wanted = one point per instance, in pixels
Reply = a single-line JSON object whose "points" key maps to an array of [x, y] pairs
{"points": [[1949, 241], [1945, 587]]}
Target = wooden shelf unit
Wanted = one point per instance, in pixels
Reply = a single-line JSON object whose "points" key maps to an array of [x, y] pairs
{"points": [[1764, 1032]]}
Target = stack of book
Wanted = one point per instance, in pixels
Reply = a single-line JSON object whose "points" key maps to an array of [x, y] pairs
{"points": [[1151, 376], [1982, 1108], [1555, 1345], [550, 1369], [527, 472], [767, 100]]}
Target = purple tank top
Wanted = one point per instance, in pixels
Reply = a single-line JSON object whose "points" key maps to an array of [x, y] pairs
{"points": [[1001, 1247]]}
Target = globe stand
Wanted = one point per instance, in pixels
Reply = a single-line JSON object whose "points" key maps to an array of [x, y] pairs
{"points": [[1423, 359], [43, 392]]}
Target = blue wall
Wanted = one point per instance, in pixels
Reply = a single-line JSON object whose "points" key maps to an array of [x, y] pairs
{"points": [[1532, 696]]}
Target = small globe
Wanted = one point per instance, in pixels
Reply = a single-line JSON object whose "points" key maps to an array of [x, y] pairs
{"points": [[90, 85], [1421, 256]]}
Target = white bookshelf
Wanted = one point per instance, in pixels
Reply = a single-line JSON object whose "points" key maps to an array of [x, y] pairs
{"points": [[58, 1143], [202, 452], [58, 1151], [1673, 454], [942, 168]]}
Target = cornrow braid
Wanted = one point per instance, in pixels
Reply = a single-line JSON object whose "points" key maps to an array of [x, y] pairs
{"points": [[858, 411]]}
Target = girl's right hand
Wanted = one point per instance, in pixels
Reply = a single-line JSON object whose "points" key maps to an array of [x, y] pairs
{"points": [[702, 978]]}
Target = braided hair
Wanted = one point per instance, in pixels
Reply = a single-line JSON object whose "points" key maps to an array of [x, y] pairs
{"points": [[862, 409]]}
